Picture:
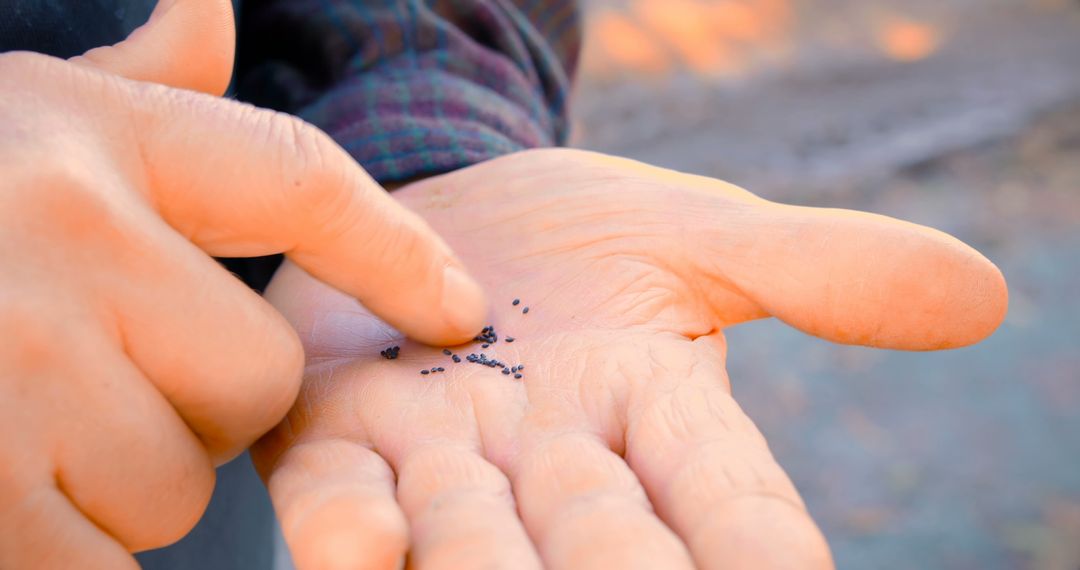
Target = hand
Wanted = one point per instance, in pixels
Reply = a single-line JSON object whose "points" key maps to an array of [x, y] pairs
{"points": [[621, 446], [133, 362]]}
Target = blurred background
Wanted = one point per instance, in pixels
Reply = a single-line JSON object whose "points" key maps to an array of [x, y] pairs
{"points": [[960, 114]]}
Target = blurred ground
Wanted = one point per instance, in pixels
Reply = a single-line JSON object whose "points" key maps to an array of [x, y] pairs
{"points": [[960, 114]]}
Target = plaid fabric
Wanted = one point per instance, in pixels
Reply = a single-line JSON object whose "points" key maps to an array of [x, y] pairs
{"points": [[415, 87]]}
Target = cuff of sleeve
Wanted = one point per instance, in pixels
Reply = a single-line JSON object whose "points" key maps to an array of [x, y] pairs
{"points": [[421, 122]]}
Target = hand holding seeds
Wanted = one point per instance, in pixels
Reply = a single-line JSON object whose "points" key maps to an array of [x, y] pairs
{"points": [[621, 445], [132, 362]]}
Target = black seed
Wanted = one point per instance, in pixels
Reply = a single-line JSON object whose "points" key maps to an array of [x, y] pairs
{"points": [[517, 376], [424, 372], [516, 301], [456, 358], [441, 369], [509, 339], [446, 351], [521, 367], [505, 371], [525, 311], [485, 345]]}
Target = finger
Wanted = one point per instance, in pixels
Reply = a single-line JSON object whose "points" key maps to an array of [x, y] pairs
{"points": [[335, 501], [188, 44], [239, 181], [136, 471], [100, 430], [221, 355], [584, 508], [711, 477], [461, 512], [860, 278], [42, 530]]}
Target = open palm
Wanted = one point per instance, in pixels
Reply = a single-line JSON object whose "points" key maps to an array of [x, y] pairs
{"points": [[620, 446]]}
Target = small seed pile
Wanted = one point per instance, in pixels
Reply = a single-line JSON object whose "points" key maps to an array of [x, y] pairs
{"points": [[486, 338]]}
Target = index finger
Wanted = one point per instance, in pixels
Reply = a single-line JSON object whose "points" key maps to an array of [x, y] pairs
{"points": [[240, 181]]}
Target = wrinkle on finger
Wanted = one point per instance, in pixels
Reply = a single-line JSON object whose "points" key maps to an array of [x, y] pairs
{"points": [[461, 511], [711, 477]]}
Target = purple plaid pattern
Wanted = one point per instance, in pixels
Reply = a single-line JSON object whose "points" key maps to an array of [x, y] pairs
{"points": [[415, 87]]}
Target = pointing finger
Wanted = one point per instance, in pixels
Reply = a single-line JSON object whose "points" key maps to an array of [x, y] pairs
{"points": [[240, 181]]}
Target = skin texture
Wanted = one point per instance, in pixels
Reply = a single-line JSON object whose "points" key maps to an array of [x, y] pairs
{"points": [[621, 447], [132, 362]]}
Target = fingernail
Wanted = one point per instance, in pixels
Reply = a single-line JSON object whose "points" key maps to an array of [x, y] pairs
{"points": [[463, 302]]}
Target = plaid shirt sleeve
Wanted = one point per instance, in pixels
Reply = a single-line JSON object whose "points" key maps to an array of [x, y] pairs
{"points": [[415, 87]]}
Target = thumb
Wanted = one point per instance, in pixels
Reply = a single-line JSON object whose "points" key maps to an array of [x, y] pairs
{"points": [[188, 44], [860, 278]]}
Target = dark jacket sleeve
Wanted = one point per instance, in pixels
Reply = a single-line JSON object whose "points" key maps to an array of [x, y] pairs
{"points": [[415, 87]]}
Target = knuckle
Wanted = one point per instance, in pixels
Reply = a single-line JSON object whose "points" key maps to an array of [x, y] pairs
{"points": [[79, 207], [307, 144], [36, 345], [311, 163], [322, 183]]}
